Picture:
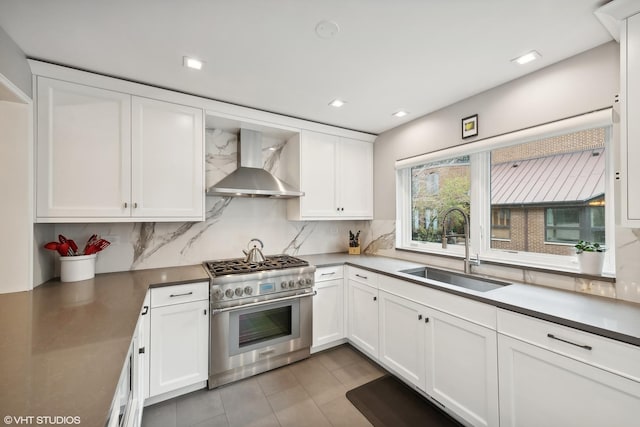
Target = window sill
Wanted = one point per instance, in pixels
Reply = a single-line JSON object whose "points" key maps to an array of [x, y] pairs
{"points": [[602, 278]]}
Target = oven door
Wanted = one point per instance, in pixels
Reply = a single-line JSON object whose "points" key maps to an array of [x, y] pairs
{"points": [[256, 338]]}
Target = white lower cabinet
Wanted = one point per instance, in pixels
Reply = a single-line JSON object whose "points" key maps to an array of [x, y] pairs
{"points": [[363, 316], [328, 307], [452, 360], [402, 338], [539, 387], [557, 376], [128, 402], [179, 339], [461, 367]]}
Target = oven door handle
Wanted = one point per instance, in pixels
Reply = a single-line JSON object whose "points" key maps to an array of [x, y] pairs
{"points": [[255, 304]]}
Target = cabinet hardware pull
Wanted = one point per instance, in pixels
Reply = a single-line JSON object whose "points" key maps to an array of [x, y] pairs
{"points": [[362, 277], [126, 205], [586, 347], [375, 298], [266, 352], [419, 316], [181, 295], [145, 310], [141, 350], [426, 320], [205, 311], [328, 274], [135, 205]]}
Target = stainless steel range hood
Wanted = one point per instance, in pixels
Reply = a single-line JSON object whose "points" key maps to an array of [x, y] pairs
{"points": [[250, 179]]}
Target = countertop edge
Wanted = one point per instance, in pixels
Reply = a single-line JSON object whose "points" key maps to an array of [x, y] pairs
{"points": [[350, 260]]}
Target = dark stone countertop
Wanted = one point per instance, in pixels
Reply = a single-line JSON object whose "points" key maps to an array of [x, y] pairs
{"points": [[63, 345]]}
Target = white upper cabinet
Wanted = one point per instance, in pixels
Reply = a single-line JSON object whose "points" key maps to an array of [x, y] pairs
{"points": [[622, 19], [83, 154], [336, 175], [105, 155], [629, 173], [167, 152]]}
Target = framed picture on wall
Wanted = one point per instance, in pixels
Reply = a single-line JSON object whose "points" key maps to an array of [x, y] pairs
{"points": [[470, 126]]}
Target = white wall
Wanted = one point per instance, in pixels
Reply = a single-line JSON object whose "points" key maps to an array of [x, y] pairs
{"points": [[13, 64], [16, 224], [583, 83]]}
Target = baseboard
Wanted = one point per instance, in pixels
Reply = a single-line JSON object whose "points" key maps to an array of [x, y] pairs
{"points": [[175, 393]]}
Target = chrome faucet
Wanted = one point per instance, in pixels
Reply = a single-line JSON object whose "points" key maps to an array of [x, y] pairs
{"points": [[467, 259]]}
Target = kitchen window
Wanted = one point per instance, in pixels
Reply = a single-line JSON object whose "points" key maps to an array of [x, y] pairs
{"points": [[536, 192]]}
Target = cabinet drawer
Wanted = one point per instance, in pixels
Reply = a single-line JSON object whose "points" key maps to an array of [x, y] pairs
{"points": [[363, 276], [329, 273], [605, 353], [179, 294]]}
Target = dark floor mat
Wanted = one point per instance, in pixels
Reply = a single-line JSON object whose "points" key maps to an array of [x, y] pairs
{"points": [[387, 402]]}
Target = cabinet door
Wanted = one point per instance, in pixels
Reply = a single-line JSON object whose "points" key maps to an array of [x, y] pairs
{"points": [[539, 387], [355, 179], [461, 368], [83, 151], [402, 324], [630, 132], [145, 342], [318, 175], [179, 346], [363, 317], [328, 312], [167, 161]]}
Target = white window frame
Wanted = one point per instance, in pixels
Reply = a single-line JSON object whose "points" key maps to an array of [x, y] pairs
{"points": [[480, 227]]}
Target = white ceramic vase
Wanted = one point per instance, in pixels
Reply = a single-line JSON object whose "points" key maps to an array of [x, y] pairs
{"points": [[591, 262]]}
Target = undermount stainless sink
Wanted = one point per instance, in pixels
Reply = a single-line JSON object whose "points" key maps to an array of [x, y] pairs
{"points": [[456, 279]]}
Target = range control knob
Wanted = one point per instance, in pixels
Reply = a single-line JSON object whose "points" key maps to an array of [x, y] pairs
{"points": [[217, 294], [291, 283], [239, 292], [248, 290], [308, 281], [229, 293], [300, 282], [283, 285]]}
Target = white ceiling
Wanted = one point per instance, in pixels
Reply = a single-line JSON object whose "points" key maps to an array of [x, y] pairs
{"points": [[417, 55]]}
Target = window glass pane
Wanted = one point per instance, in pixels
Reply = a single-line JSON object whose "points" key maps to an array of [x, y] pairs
{"points": [[554, 191], [500, 223], [436, 187]]}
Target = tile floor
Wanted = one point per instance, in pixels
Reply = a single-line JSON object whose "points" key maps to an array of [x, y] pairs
{"points": [[308, 393]]}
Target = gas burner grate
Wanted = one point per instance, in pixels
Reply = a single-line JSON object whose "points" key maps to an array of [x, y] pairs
{"points": [[239, 266]]}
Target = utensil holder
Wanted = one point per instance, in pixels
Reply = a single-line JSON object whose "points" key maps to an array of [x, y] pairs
{"points": [[75, 268], [354, 250]]}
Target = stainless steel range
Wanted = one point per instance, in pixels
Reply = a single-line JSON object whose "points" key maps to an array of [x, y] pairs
{"points": [[260, 315]]}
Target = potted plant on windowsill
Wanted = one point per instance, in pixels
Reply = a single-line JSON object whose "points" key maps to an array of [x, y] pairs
{"points": [[590, 257]]}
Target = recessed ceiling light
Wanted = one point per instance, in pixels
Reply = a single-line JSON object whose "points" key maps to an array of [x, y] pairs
{"points": [[526, 58], [400, 113], [337, 103], [196, 64]]}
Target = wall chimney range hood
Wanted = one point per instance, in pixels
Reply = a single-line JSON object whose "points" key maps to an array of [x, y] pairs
{"points": [[250, 179]]}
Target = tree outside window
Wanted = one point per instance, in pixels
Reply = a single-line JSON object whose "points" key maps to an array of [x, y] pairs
{"points": [[436, 187]]}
